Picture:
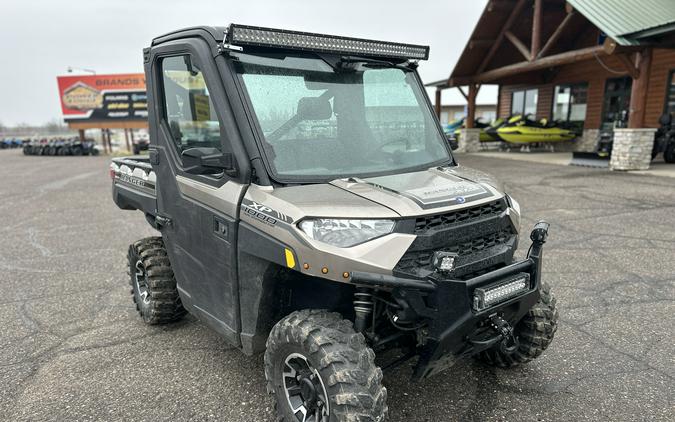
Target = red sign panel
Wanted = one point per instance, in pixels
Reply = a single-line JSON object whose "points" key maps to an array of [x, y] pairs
{"points": [[103, 97]]}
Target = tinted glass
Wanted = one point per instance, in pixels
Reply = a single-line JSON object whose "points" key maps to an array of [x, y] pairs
{"points": [[325, 121], [189, 110]]}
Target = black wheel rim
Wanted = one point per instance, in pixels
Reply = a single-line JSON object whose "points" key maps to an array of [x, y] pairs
{"points": [[141, 280], [305, 390]]}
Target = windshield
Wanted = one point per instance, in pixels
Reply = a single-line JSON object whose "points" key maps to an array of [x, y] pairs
{"points": [[322, 121]]}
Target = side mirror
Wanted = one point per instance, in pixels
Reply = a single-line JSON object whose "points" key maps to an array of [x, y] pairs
{"points": [[208, 161]]}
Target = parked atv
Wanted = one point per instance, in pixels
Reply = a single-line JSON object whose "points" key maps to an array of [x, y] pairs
{"points": [[664, 140], [326, 236], [140, 145]]}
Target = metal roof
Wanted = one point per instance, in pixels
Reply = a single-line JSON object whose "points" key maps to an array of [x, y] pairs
{"points": [[627, 21]]}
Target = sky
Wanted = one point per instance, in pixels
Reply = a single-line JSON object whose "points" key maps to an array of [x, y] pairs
{"points": [[40, 39]]}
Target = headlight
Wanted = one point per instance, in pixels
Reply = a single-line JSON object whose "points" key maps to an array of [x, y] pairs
{"points": [[345, 233]]}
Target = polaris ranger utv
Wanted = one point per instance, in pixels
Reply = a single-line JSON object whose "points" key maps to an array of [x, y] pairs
{"points": [[310, 207]]}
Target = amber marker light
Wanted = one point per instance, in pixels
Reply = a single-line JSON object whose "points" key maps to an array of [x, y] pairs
{"points": [[345, 274], [324, 270], [305, 266]]}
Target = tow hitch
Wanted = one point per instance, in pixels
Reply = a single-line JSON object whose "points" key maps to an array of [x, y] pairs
{"points": [[508, 343]]}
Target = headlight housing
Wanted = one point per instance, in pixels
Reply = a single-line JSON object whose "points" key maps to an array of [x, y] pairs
{"points": [[345, 233], [513, 203]]}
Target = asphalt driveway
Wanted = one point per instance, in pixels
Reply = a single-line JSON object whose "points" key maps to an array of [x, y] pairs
{"points": [[73, 349]]}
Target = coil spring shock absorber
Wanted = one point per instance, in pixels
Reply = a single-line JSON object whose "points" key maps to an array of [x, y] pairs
{"points": [[363, 307]]}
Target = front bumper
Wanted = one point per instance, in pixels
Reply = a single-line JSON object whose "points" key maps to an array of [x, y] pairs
{"points": [[455, 329]]}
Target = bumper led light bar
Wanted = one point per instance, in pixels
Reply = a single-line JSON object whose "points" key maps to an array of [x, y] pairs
{"points": [[488, 296], [279, 38]]}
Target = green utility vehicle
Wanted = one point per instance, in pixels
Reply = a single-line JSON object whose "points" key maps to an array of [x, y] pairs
{"points": [[310, 208]]}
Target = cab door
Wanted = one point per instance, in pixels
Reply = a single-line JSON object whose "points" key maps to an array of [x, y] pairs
{"points": [[200, 211]]}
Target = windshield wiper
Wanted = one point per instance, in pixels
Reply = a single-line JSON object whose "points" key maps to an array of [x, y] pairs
{"points": [[373, 62]]}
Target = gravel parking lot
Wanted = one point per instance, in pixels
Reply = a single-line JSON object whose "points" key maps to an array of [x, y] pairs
{"points": [[72, 347]]}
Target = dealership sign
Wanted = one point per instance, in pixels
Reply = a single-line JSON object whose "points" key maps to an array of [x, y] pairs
{"points": [[103, 97]]}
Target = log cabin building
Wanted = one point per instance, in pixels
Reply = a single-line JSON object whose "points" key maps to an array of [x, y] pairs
{"points": [[598, 64]]}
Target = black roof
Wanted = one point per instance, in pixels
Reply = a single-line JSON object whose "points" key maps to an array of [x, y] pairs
{"points": [[215, 33]]}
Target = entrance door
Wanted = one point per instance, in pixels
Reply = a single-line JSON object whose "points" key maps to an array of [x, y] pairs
{"points": [[203, 208], [616, 103]]}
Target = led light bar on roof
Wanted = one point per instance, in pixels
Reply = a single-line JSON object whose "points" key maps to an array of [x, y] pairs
{"points": [[269, 37]]}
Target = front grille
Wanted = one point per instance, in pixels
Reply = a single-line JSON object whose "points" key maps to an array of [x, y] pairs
{"points": [[482, 236], [422, 259], [441, 221]]}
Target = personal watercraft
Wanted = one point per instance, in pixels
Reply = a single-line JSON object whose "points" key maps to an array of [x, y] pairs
{"points": [[524, 130], [484, 136]]}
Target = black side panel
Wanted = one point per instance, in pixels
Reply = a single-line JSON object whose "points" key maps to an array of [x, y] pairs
{"points": [[254, 242], [257, 280], [132, 199], [269, 290], [257, 253], [204, 267]]}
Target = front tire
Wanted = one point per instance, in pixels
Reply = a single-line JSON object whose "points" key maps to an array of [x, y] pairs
{"points": [[534, 332], [319, 369], [153, 285]]}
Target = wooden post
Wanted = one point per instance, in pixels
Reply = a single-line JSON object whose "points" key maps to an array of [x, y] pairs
{"points": [[437, 104], [556, 34], [107, 140], [80, 133], [536, 30], [638, 93], [471, 106], [519, 45], [499, 101], [104, 141], [542, 63], [126, 139], [512, 18]]}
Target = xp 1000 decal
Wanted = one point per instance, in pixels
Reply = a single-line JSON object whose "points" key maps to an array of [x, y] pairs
{"points": [[264, 213]]}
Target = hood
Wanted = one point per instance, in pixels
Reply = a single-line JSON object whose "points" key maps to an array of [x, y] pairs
{"points": [[425, 192]]}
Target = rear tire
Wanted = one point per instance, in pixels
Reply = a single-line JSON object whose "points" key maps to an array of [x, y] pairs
{"points": [[534, 332], [153, 285], [315, 362]]}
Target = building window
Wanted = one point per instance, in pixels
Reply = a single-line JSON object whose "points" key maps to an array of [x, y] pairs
{"points": [[670, 94], [524, 102], [569, 102], [488, 116]]}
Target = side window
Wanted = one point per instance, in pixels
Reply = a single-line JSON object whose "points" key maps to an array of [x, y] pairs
{"points": [[188, 108]]}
